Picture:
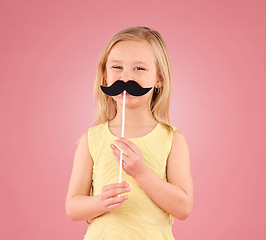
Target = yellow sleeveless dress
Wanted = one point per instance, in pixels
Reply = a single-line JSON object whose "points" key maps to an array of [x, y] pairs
{"points": [[139, 218]]}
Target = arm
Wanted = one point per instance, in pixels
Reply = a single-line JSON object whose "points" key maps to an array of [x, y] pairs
{"points": [[79, 205], [176, 195]]}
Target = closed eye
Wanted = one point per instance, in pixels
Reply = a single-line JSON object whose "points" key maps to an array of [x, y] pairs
{"points": [[139, 68], [117, 67]]}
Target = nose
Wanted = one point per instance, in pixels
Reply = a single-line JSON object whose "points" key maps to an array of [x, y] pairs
{"points": [[126, 75]]}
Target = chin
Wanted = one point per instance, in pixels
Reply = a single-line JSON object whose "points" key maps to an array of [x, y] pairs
{"points": [[131, 101]]}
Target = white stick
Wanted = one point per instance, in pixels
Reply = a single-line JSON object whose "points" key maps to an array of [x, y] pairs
{"points": [[122, 134]]}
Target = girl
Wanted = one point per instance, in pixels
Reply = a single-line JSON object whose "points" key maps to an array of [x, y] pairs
{"points": [[157, 182]]}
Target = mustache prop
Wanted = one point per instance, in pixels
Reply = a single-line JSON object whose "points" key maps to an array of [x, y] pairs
{"points": [[131, 87]]}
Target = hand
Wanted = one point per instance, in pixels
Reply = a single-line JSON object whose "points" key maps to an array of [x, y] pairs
{"points": [[132, 160], [109, 195]]}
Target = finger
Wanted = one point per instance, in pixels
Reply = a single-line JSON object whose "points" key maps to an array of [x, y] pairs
{"points": [[126, 149], [117, 154], [115, 200], [130, 144], [115, 185], [124, 158], [117, 150], [117, 158], [113, 207], [115, 203], [115, 192]]}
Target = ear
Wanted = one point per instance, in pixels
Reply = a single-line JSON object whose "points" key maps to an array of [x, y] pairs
{"points": [[159, 82]]}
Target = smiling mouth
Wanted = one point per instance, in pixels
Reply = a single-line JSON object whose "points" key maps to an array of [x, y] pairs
{"points": [[127, 94]]}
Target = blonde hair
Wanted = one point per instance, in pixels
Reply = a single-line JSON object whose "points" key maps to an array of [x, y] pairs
{"points": [[107, 109]]}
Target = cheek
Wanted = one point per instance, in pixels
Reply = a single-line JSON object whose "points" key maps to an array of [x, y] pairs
{"points": [[147, 80], [111, 77], [118, 99]]}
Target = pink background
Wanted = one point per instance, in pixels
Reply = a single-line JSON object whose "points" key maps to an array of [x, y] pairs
{"points": [[49, 54]]}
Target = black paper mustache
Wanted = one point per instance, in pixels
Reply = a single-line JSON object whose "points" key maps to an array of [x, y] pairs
{"points": [[131, 86]]}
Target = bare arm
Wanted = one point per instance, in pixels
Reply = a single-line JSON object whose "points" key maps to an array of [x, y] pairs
{"points": [[79, 205], [176, 195]]}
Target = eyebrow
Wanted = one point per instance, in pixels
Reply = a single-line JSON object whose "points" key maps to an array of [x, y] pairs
{"points": [[138, 62]]}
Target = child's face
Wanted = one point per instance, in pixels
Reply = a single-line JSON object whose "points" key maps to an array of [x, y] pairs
{"points": [[132, 60]]}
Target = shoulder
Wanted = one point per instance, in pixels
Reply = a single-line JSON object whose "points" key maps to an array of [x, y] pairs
{"points": [[177, 135], [82, 153], [97, 127], [177, 139], [167, 133], [174, 131], [83, 140], [171, 130], [96, 132], [179, 144], [90, 130], [83, 147]]}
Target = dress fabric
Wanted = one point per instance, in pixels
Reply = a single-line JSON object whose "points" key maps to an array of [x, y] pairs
{"points": [[139, 217]]}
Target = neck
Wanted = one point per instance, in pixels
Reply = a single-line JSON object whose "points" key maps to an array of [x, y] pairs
{"points": [[134, 116]]}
